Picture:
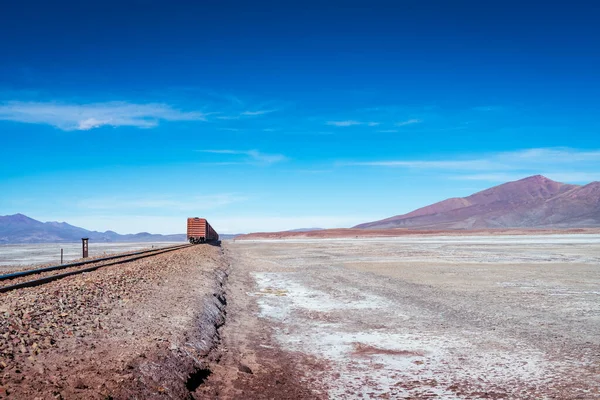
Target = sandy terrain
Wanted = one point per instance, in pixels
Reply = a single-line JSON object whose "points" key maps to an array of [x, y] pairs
{"points": [[15, 256], [412, 317]]}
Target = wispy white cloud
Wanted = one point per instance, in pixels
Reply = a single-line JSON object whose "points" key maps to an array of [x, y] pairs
{"points": [[245, 114], [352, 122], [563, 164], [192, 202], [82, 117], [584, 177], [257, 112], [253, 156], [489, 177], [343, 123], [554, 154], [426, 164], [409, 122]]}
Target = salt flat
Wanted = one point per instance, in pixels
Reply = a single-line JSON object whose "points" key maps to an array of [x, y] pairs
{"points": [[456, 317], [18, 255]]}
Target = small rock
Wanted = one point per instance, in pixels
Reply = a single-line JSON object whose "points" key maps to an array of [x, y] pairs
{"points": [[244, 368]]}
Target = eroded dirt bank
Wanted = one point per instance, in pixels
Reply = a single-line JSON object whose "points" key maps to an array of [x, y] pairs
{"points": [[252, 363], [138, 330]]}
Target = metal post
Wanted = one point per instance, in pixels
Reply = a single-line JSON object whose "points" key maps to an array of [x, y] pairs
{"points": [[84, 245], [61, 256]]}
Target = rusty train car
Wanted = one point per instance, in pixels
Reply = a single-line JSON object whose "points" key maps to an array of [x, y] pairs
{"points": [[200, 231]]}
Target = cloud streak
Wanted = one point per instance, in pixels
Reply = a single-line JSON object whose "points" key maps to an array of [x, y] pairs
{"points": [[203, 202], [571, 165], [422, 164], [243, 114], [343, 123], [409, 122], [83, 117], [258, 112], [352, 122], [252, 156]]}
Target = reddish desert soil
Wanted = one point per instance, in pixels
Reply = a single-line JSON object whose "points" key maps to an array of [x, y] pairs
{"points": [[358, 233]]}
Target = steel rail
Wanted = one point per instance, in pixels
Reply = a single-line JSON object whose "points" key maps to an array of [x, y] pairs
{"points": [[79, 263], [41, 281]]}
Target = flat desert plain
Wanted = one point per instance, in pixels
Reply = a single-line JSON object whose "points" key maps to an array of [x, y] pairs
{"points": [[452, 317], [15, 256]]}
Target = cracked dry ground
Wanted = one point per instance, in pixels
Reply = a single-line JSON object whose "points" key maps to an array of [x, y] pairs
{"points": [[146, 329]]}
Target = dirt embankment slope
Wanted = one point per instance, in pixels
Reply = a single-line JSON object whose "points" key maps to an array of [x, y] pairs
{"points": [[360, 233]]}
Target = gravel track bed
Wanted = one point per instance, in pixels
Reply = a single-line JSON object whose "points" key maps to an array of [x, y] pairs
{"points": [[140, 329], [8, 269], [47, 274]]}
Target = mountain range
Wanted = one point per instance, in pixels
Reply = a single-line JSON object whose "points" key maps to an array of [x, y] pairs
{"points": [[19, 228], [533, 202]]}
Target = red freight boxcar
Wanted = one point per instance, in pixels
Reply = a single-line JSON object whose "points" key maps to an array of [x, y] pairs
{"points": [[200, 231]]}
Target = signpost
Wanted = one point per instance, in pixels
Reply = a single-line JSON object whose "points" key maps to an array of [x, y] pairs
{"points": [[84, 245]]}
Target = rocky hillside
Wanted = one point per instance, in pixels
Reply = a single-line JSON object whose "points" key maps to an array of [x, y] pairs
{"points": [[533, 202]]}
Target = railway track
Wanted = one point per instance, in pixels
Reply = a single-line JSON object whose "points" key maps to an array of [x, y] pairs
{"points": [[18, 280]]}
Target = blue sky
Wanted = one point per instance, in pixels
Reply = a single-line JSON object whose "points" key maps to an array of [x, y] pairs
{"points": [[134, 115]]}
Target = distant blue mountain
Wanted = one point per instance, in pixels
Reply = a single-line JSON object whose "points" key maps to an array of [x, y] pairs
{"points": [[19, 228]]}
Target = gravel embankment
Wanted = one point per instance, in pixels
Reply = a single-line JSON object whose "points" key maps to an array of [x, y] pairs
{"points": [[72, 270], [15, 257], [139, 329]]}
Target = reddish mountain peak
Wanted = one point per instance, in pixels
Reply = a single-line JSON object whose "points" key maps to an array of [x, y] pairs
{"points": [[536, 179], [532, 188], [529, 202]]}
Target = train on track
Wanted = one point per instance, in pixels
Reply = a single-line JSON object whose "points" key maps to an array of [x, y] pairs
{"points": [[200, 231]]}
